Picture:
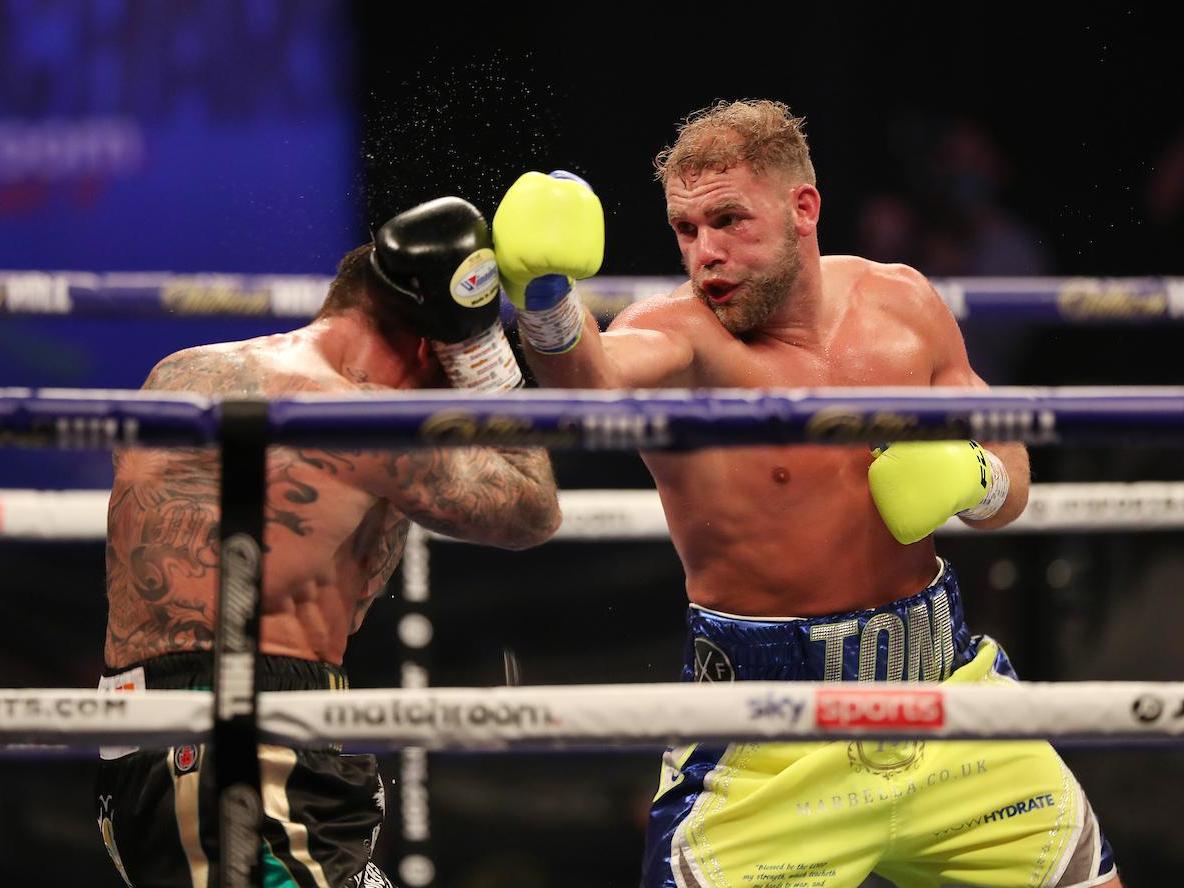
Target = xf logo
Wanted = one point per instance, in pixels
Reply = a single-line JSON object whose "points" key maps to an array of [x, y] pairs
{"points": [[711, 663]]}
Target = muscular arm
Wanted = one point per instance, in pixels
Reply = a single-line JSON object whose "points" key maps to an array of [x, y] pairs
{"points": [[499, 497], [495, 496], [639, 350], [952, 368]]}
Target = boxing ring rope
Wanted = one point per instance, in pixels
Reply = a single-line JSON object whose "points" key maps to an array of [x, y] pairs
{"points": [[1063, 300], [618, 715], [592, 420], [660, 419], [622, 515], [508, 718]]}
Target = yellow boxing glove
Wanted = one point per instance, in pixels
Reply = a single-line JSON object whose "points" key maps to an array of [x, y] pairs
{"points": [[547, 231], [917, 485]]}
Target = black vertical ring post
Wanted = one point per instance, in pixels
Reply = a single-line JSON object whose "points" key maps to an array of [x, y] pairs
{"points": [[417, 861], [243, 436]]}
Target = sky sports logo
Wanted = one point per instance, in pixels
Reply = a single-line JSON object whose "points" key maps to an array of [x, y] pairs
{"points": [[880, 709]]}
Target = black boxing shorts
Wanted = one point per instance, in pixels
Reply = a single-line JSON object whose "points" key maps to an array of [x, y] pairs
{"points": [[157, 808]]}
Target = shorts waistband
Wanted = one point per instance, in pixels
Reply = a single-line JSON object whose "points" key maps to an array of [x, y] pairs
{"points": [[923, 637], [194, 671]]}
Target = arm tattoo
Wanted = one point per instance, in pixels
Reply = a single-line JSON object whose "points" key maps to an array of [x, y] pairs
{"points": [[283, 466], [500, 497]]}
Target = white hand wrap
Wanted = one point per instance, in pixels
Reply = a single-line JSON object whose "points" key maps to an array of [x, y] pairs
{"points": [[996, 494], [484, 363], [554, 330]]}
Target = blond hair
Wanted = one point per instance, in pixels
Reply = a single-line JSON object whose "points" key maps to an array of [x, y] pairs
{"points": [[758, 132]]}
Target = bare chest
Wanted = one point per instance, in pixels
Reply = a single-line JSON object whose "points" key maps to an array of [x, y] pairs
{"points": [[859, 354]]}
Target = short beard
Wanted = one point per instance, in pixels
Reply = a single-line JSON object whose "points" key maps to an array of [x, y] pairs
{"points": [[764, 295]]}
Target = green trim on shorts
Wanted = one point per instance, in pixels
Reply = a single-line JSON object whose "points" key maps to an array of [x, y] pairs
{"points": [[275, 874]]}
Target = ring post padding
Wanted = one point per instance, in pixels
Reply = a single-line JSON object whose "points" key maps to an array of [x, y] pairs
{"points": [[414, 849], [243, 436]]}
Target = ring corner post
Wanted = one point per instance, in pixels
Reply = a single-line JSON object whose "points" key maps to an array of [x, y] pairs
{"points": [[242, 435]]}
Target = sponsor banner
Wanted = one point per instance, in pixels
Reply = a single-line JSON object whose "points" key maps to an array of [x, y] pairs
{"points": [[86, 706], [440, 715], [880, 710], [83, 717]]}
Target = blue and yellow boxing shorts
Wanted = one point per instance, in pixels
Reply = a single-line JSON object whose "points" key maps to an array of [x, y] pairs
{"points": [[921, 813]]}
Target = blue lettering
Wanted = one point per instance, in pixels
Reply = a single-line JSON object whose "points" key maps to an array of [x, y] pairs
{"points": [[1023, 806]]}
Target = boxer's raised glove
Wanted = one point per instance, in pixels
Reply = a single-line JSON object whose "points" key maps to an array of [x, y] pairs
{"points": [[547, 231], [917, 485], [441, 279]]}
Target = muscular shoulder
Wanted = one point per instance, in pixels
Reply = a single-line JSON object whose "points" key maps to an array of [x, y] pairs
{"points": [[680, 311], [894, 289], [897, 297], [891, 283], [204, 369], [262, 367]]}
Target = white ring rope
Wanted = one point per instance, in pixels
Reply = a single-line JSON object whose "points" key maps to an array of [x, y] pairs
{"points": [[637, 514], [53, 514], [628, 715]]}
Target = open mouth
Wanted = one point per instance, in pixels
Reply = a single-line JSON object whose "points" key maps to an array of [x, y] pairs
{"points": [[719, 291]]}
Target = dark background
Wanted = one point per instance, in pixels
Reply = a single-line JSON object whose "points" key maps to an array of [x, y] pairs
{"points": [[269, 137]]}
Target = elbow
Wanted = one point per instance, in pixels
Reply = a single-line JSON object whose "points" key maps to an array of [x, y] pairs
{"points": [[1020, 501], [539, 520], [554, 518], [1018, 490]]}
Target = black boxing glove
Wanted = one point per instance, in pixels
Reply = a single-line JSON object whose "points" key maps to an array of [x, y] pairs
{"points": [[441, 275]]}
